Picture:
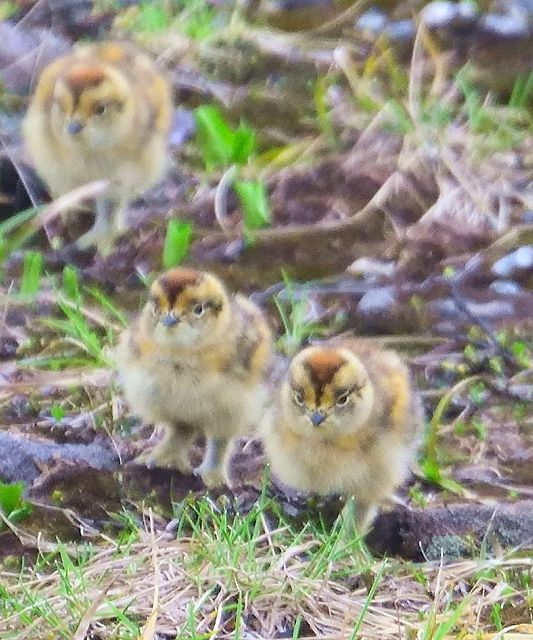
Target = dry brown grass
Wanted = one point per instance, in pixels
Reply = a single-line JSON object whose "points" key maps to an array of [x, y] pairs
{"points": [[219, 583]]}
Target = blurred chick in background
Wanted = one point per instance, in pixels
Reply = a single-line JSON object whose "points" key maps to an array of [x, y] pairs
{"points": [[101, 113], [346, 422], [195, 361]]}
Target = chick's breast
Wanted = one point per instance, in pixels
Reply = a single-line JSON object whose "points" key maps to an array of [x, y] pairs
{"points": [[102, 112], [367, 458], [220, 390]]}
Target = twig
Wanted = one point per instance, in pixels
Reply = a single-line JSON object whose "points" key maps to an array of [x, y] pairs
{"points": [[471, 267], [221, 197], [347, 15]]}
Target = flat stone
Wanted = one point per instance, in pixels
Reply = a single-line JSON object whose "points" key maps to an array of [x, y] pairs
{"points": [[506, 288], [377, 301], [374, 21], [22, 458], [401, 30], [513, 25], [438, 14], [441, 14], [518, 260], [455, 531], [372, 268]]}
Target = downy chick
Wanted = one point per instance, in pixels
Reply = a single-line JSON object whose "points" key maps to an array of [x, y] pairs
{"points": [[346, 422], [100, 113], [195, 361]]}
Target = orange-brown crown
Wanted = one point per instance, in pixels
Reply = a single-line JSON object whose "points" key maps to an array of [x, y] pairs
{"points": [[80, 78], [323, 364], [321, 374], [173, 283]]}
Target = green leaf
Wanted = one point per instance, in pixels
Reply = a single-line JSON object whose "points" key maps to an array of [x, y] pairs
{"points": [[57, 412], [153, 17], [432, 472], [214, 137], [107, 304], [200, 19], [14, 222], [243, 144], [31, 273], [16, 230], [322, 111], [12, 504], [177, 242], [20, 514], [254, 202], [71, 284], [219, 144], [522, 91]]}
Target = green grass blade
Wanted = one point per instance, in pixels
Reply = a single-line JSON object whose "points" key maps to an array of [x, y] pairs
{"points": [[177, 243], [214, 137], [255, 204], [32, 269]]}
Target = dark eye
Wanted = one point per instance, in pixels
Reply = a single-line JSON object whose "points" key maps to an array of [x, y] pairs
{"points": [[100, 109], [198, 310], [342, 400], [299, 397]]}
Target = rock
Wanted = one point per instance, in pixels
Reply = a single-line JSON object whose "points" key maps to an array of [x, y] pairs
{"points": [[524, 7], [514, 25], [22, 458], [182, 128], [74, 18], [506, 288], [493, 310], [512, 263], [296, 15], [401, 30], [377, 302], [444, 308], [456, 530], [372, 21], [25, 52], [401, 35], [8, 347], [441, 14], [438, 14], [380, 310], [372, 268]]}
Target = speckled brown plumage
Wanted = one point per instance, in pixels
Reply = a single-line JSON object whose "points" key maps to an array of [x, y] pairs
{"points": [[196, 356], [100, 113], [346, 421]]}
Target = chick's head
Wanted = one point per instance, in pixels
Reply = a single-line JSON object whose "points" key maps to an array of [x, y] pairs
{"points": [[92, 105], [327, 391], [187, 308]]}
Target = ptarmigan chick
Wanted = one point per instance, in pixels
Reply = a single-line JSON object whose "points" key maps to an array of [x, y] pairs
{"points": [[100, 113], [195, 361], [346, 422]]}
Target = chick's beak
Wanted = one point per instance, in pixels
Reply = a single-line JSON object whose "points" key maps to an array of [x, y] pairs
{"points": [[74, 127], [169, 320], [317, 418]]}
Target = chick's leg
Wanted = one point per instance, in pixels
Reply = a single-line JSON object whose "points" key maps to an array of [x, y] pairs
{"points": [[355, 520], [357, 517], [172, 451], [119, 218], [101, 233], [215, 466]]}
